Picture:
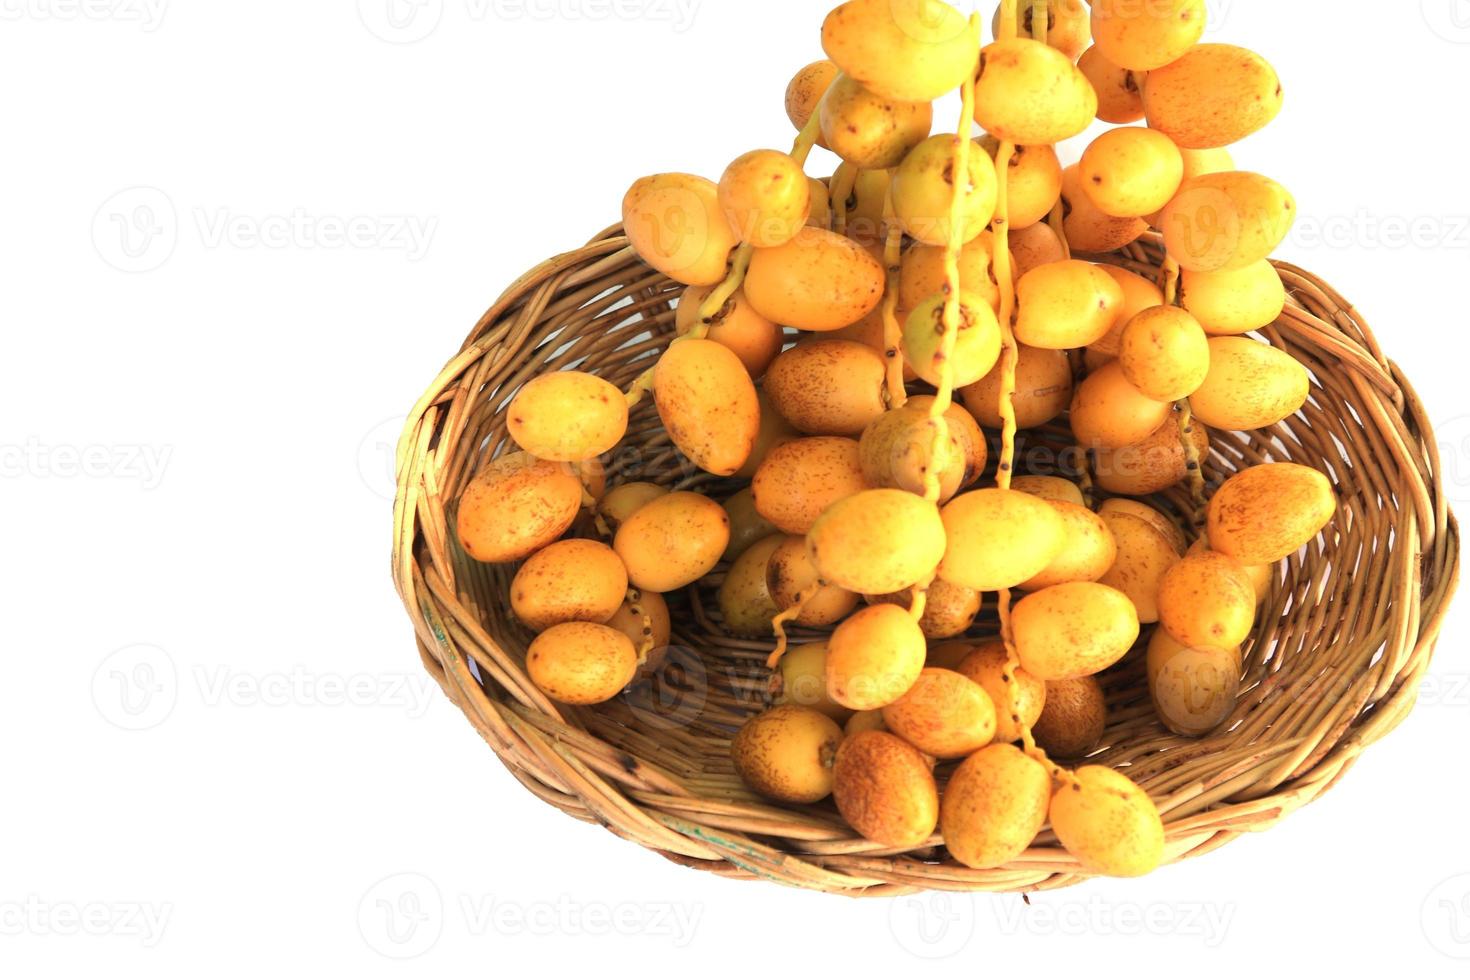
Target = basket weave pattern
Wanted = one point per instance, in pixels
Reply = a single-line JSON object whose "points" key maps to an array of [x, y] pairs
{"points": [[1342, 644]]}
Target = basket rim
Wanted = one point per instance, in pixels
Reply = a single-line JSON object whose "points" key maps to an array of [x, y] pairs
{"points": [[1207, 800]]}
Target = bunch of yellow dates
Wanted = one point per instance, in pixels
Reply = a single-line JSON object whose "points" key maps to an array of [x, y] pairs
{"points": [[855, 348]]}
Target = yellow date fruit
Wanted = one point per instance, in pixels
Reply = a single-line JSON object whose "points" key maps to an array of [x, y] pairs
{"points": [[975, 348], [1250, 385], [1119, 90], [1143, 35], [994, 806], [828, 387], [944, 714], [790, 575], [1087, 227], [747, 525], [1066, 305], [1165, 353], [1031, 94], [1087, 556], [1033, 247], [874, 658], [1071, 631], [1107, 822], [1067, 25], [877, 542], [885, 790], [1033, 182], [567, 416], [801, 479], [622, 502], [1194, 689], [581, 663], [765, 197], [803, 681], [1207, 600], [897, 451], [871, 331], [871, 131], [821, 209], [1235, 301], [1043, 389], [904, 49], [1074, 719], [1051, 488], [999, 539], [1226, 221], [674, 223], [1262, 577], [949, 609], [805, 91], [1146, 553], [1266, 513], [574, 581], [673, 541], [592, 474], [745, 599], [1215, 95], [989, 666], [922, 273], [1109, 413], [1131, 172], [516, 507], [644, 619], [862, 211], [1139, 294], [787, 754], [708, 404], [1156, 463], [923, 191], [1152, 516], [817, 281], [774, 431]]}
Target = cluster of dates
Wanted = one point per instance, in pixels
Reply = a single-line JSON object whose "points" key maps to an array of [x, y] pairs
{"points": [[854, 347]]}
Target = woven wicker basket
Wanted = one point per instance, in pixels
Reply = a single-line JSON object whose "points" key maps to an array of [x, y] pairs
{"points": [[1343, 642]]}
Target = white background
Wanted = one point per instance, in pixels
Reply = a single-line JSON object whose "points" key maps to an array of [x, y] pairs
{"points": [[197, 432]]}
